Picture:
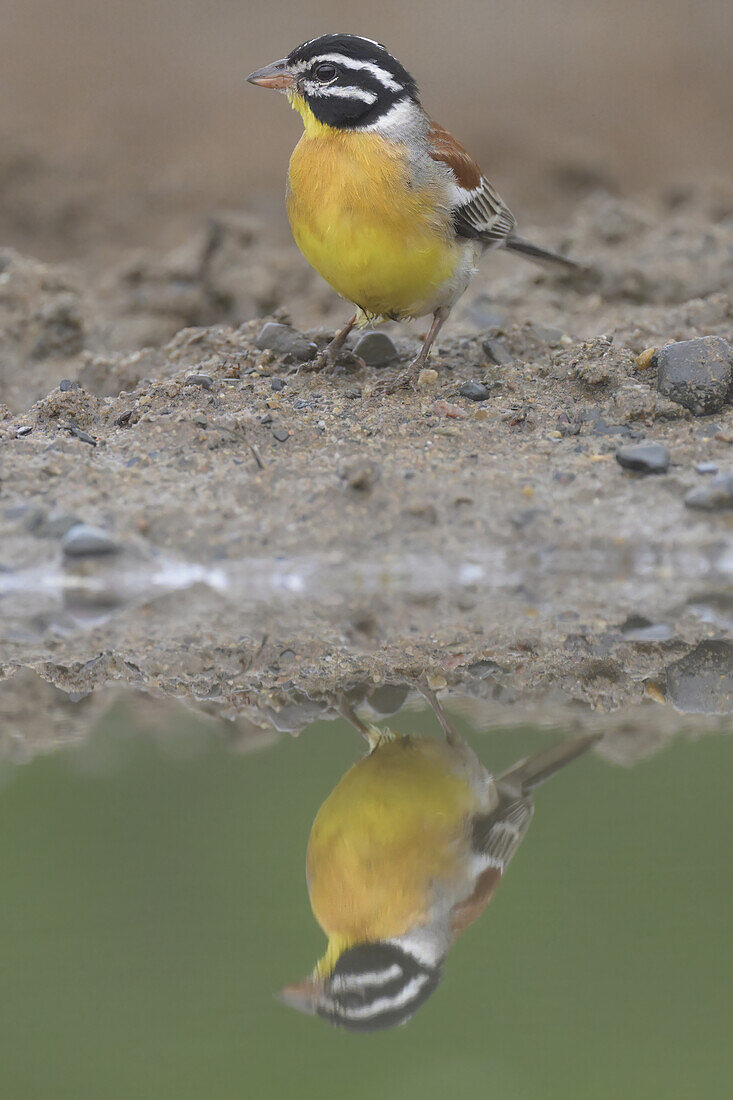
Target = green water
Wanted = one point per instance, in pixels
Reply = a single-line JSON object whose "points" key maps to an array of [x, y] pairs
{"points": [[153, 902]]}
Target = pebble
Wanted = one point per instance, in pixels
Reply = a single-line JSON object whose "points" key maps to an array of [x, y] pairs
{"points": [[553, 337], [475, 391], [202, 380], [376, 349], [646, 359], [706, 468], [427, 377], [25, 430], [284, 340], [452, 412], [702, 681], [281, 434], [716, 496], [640, 629], [82, 541], [644, 458], [277, 384], [696, 373], [387, 699], [497, 352], [68, 384]]}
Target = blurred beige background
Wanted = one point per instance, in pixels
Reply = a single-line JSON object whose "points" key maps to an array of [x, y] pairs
{"points": [[120, 122]]}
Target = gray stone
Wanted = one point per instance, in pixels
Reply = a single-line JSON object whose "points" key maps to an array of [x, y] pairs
{"points": [[706, 468], [387, 699], [203, 380], [644, 458], [475, 391], [376, 349], [68, 384], [284, 340], [696, 373], [25, 430], [702, 682], [277, 384], [496, 351], [281, 434], [716, 496], [82, 541]]}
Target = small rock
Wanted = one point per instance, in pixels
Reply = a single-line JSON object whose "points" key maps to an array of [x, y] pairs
{"points": [[646, 359], [452, 412], [706, 468], [361, 475], [427, 377], [285, 341], [82, 541], [376, 349], [387, 699], [281, 434], [68, 384], [475, 391], [644, 458], [640, 629], [277, 384], [716, 496], [696, 373], [496, 351], [702, 682], [25, 430], [202, 380]]}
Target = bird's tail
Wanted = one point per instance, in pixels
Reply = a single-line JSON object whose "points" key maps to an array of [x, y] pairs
{"points": [[534, 252], [522, 778]]}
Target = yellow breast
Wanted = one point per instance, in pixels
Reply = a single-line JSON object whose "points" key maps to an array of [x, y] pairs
{"points": [[378, 240], [393, 829]]}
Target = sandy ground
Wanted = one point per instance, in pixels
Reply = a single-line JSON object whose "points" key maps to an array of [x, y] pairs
{"points": [[280, 536]]}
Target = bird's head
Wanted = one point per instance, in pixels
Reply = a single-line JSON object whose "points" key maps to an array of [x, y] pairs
{"points": [[371, 986], [343, 81]]}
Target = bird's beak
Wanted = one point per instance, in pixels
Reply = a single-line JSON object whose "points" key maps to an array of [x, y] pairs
{"points": [[302, 996], [277, 75]]}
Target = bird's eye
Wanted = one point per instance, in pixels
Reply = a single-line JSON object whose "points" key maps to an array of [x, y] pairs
{"points": [[326, 72]]}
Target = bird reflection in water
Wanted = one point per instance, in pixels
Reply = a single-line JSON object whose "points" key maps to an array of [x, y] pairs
{"points": [[404, 854]]}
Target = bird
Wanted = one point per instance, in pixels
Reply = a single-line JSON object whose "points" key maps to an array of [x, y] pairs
{"points": [[384, 202], [403, 855]]}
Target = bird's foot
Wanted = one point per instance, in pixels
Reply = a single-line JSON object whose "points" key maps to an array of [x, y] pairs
{"points": [[328, 360], [405, 380]]}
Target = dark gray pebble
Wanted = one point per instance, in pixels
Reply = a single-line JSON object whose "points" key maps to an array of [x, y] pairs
{"points": [[702, 682], [202, 380], [696, 373], [82, 541], [475, 391], [716, 496], [277, 384], [21, 432], [376, 349], [284, 340], [68, 384], [706, 468], [496, 351], [281, 434], [644, 458]]}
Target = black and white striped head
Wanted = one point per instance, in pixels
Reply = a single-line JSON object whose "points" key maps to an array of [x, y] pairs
{"points": [[347, 82], [371, 987]]}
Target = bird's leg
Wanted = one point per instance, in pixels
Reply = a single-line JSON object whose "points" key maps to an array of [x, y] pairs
{"points": [[452, 735], [411, 374], [329, 356], [371, 734]]}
